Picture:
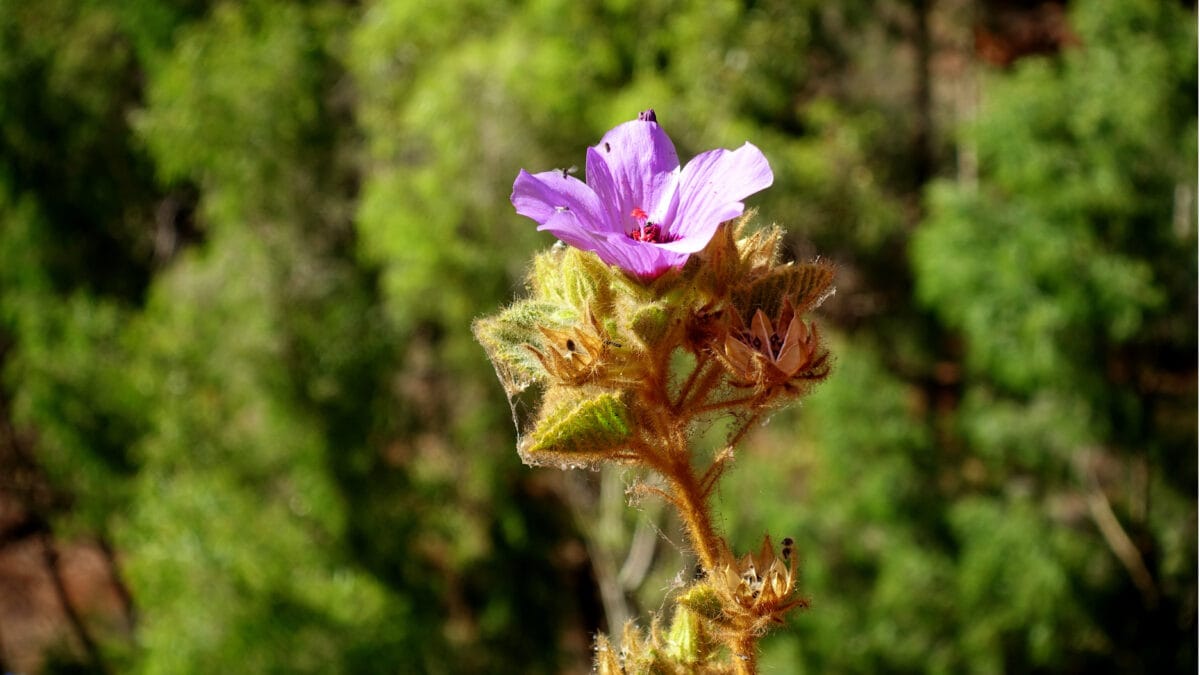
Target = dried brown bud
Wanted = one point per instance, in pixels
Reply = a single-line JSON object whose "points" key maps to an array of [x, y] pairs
{"points": [[705, 328], [575, 355], [771, 354], [758, 589]]}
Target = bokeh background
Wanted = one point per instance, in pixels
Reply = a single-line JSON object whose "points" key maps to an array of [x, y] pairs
{"points": [[245, 428]]}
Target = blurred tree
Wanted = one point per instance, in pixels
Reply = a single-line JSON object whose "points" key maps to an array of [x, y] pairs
{"points": [[1032, 503], [347, 570], [76, 201], [76, 204], [1071, 274]]}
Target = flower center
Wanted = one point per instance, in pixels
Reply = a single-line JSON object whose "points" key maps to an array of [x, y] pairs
{"points": [[645, 231], [648, 232]]}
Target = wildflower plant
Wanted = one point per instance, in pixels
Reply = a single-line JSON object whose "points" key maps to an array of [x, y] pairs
{"points": [[665, 315]]}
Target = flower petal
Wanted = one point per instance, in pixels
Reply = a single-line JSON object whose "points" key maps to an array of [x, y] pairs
{"points": [[740, 356], [546, 195], [711, 189], [761, 328], [644, 259], [566, 226], [695, 241], [635, 185], [791, 353], [644, 168], [600, 180]]}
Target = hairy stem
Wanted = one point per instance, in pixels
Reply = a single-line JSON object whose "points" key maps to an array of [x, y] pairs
{"points": [[666, 449], [728, 403], [715, 470], [737, 436], [690, 499], [745, 654], [708, 376], [685, 389]]}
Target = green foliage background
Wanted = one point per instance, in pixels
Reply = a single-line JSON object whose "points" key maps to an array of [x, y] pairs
{"points": [[241, 245]]}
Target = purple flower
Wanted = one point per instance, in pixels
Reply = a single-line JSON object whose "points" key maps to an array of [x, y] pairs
{"points": [[638, 209]]}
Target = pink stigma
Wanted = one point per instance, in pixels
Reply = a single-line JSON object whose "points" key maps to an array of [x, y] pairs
{"points": [[638, 214]]}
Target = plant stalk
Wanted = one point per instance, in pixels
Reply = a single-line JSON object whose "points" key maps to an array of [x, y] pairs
{"points": [[694, 510]]}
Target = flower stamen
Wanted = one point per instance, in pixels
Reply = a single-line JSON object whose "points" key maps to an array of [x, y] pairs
{"points": [[649, 232], [645, 231]]}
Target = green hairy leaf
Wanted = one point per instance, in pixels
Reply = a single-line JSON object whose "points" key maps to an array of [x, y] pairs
{"points": [[579, 429]]}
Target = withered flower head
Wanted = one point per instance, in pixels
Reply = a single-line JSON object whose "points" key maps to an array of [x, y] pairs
{"points": [[574, 355], [704, 328], [763, 584], [772, 354], [749, 595]]}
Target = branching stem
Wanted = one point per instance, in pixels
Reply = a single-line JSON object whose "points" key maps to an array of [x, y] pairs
{"points": [[727, 403], [744, 428], [705, 382], [693, 509], [686, 389], [664, 446], [711, 475]]}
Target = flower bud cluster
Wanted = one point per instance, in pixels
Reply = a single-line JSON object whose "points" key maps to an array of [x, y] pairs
{"points": [[588, 331], [738, 599], [602, 365]]}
